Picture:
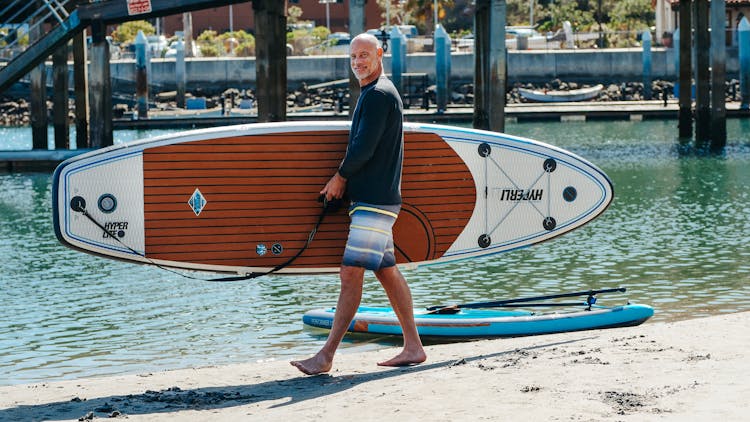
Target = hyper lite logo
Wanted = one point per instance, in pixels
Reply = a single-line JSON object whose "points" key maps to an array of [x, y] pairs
{"points": [[115, 229], [517, 195]]}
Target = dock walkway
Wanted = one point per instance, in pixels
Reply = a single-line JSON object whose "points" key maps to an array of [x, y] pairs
{"points": [[576, 111], [190, 119]]}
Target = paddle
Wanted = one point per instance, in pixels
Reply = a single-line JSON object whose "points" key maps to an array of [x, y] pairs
{"points": [[514, 302]]}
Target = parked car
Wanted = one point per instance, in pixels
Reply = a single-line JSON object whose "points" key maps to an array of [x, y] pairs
{"points": [[337, 43], [172, 51], [534, 40]]}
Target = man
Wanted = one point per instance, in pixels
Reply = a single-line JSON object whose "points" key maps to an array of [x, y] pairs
{"points": [[371, 176]]}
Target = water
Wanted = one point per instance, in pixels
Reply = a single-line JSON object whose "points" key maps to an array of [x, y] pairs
{"points": [[675, 236]]}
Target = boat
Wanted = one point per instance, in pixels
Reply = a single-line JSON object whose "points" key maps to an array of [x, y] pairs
{"points": [[555, 96], [471, 321]]}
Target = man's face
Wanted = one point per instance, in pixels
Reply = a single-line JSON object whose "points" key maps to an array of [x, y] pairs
{"points": [[365, 60]]}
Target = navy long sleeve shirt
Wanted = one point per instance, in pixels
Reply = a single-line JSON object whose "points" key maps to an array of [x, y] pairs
{"points": [[374, 155]]}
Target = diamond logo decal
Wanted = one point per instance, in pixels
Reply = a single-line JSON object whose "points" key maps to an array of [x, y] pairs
{"points": [[197, 202]]}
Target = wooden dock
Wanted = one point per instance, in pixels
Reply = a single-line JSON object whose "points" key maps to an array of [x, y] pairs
{"points": [[526, 112]]}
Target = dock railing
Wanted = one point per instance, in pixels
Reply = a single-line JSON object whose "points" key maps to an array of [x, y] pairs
{"points": [[20, 18]]}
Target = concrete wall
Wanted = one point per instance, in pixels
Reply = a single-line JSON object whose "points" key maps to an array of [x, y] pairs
{"points": [[213, 75]]}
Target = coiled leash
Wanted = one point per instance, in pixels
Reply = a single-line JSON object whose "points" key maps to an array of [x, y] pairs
{"points": [[78, 204]]}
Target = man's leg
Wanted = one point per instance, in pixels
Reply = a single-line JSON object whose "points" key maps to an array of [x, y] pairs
{"points": [[399, 294], [350, 296]]}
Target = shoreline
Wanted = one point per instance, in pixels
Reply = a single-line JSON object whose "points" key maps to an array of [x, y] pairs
{"points": [[683, 370]]}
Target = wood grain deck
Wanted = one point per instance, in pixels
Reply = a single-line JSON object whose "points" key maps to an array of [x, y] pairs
{"points": [[262, 191]]}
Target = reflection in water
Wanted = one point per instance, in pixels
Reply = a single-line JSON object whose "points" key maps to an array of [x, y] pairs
{"points": [[675, 236]]}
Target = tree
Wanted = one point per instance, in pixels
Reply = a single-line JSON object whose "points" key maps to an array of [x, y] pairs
{"points": [[459, 17], [126, 32], [293, 14], [566, 10], [632, 15], [242, 42], [400, 14], [209, 43]]}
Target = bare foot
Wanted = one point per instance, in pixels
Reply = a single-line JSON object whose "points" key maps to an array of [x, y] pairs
{"points": [[315, 365], [406, 358]]}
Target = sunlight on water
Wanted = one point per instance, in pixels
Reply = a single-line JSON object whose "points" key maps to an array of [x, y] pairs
{"points": [[675, 236]]}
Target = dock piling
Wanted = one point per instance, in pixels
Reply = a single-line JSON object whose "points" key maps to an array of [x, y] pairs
{"points": [[744, 42], [180, 72], [100, 89], [709, 74], [718, 76], [646, 40], [490, 65], [38, 100], [81, 81], [356, 27], [685, 125], [270, 64], [141, 75], [702, 75], [398, 58], [60, 97], [442, 67]]}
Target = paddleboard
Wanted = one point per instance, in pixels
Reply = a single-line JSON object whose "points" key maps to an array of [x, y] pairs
{"points": [[486, 322], [244, 199]]}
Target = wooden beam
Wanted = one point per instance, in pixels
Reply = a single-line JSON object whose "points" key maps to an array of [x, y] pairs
{"points": [[116, 11], [270, 59], [481, 118], [60, 97], [498, 66], [80, 82], [38, 100], [718, 75], [702, 75], [100, 89], [685, 125]]}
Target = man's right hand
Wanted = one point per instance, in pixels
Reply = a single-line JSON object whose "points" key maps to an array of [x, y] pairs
{"points": [[335, 188]]}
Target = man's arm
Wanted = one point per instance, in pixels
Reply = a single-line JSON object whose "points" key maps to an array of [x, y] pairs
{"points": [[375, 110]]}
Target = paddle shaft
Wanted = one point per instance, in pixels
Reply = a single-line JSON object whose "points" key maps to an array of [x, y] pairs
{"points": [[509, 302]]}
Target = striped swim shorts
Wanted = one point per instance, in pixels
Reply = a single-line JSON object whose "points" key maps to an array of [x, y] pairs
{"points": [[370, 243]]}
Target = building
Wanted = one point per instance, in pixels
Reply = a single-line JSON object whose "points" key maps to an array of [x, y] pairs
{"points": [[241, 17], [668, 18]]}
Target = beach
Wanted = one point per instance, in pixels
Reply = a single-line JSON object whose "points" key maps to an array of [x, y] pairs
{"points": [[686, 370]]}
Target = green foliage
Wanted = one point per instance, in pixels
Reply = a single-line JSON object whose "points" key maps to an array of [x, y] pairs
{"points": [[293, 13], [245, 49], [244, 43], [632, 15], [209, 43], [208, 36], [300, 39], [517, 12], [210, 50], [567, 10], [458, 16], [126, 32], [320, 33]]}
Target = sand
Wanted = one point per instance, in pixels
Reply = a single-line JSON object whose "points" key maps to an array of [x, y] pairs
{"points": [[694, 370]]}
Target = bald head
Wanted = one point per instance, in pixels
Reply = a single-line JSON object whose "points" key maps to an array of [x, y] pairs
{"points": [[367, 39], [365, 56]]}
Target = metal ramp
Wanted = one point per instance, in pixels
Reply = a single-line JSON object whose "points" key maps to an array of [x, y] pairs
{"points": [[22, 23], [19, 17]]}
